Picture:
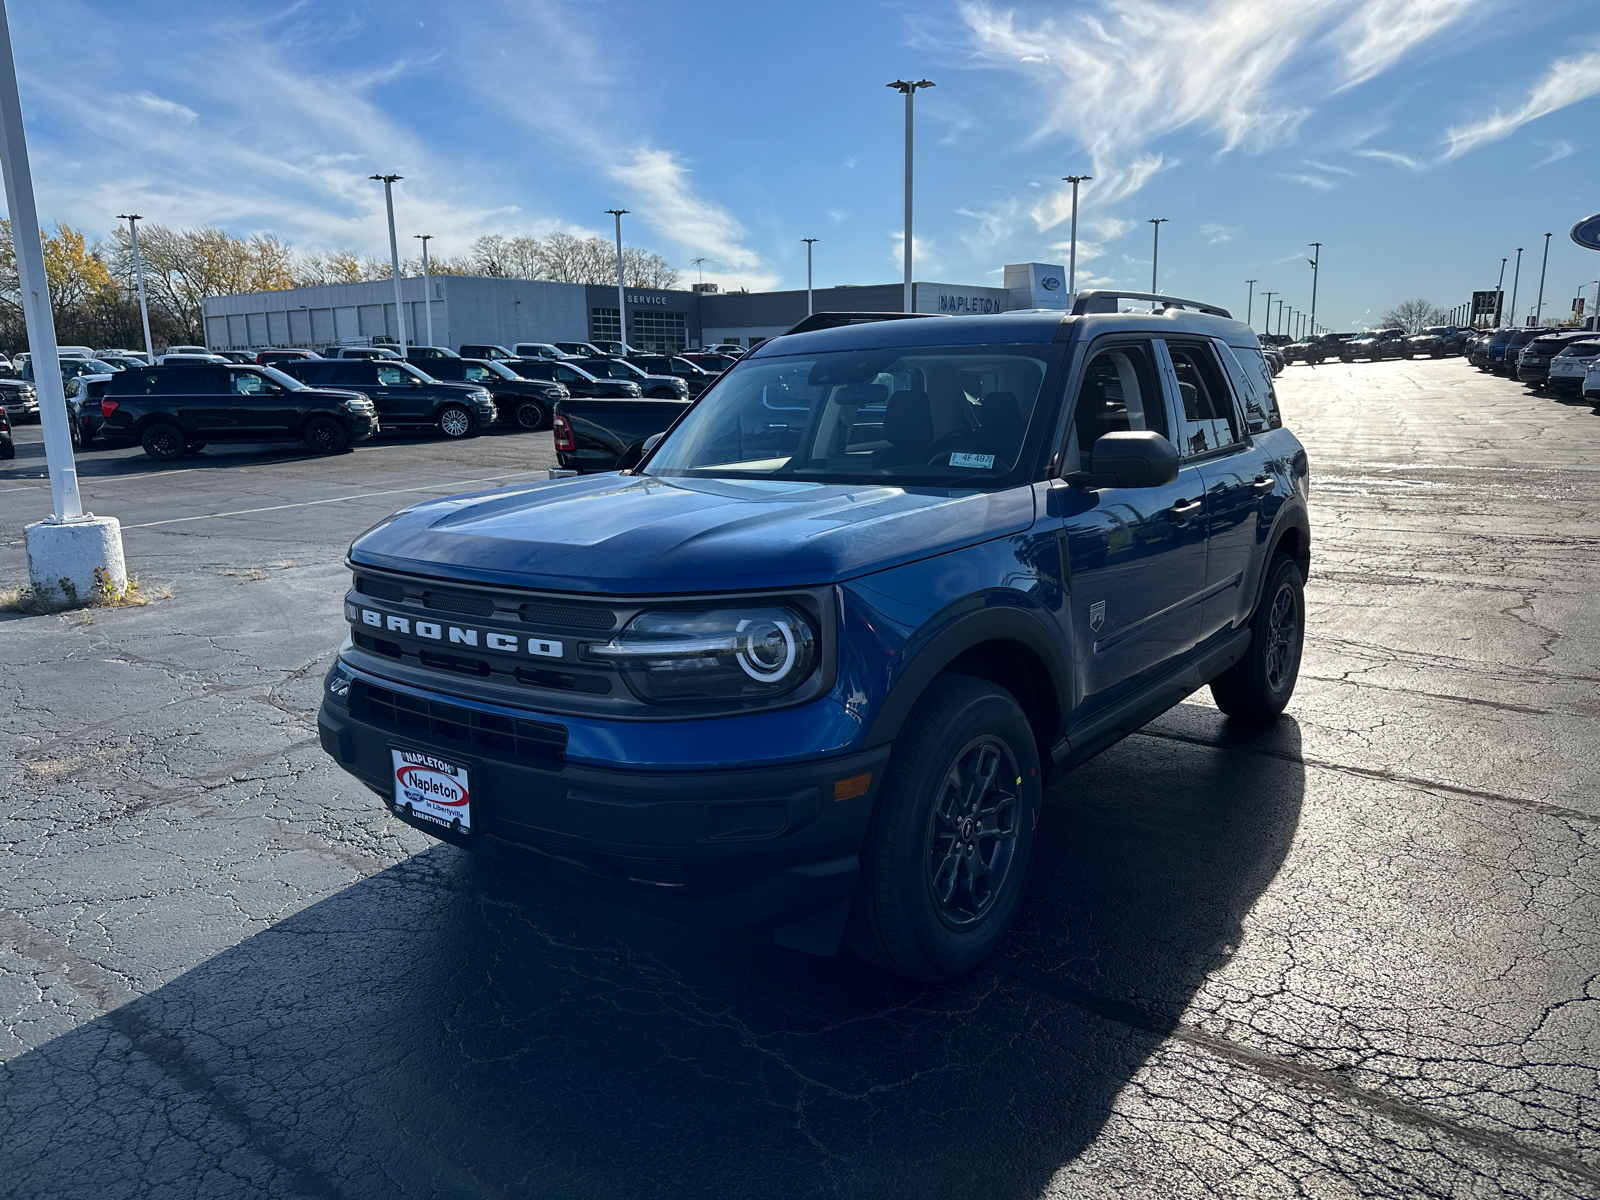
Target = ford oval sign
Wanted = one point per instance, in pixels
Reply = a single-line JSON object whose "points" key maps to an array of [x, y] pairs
{"points": [[1587, 232], [1050, 283]]}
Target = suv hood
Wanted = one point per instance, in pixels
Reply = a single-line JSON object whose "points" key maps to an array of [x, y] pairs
{"points": [[635, 535]]}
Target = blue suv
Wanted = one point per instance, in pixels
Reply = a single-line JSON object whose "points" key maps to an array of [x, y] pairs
{"points": [[810, 665]]}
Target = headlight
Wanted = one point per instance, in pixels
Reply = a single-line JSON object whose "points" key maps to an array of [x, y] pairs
{"points": [[337, 684], [713, 654]]}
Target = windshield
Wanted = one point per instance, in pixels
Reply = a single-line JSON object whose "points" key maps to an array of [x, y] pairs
{"points": [[287, 382], [492, 370], [936, 417]]}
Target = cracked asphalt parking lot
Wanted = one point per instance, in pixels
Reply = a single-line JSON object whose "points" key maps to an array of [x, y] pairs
{"points": [[1352, 955]]}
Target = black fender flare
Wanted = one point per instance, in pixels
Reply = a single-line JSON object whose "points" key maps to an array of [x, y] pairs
{"points": [[1291, 517], [999, 622]]}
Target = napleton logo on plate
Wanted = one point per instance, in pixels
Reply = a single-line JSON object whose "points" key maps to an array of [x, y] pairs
{"points": [[429, 787]]}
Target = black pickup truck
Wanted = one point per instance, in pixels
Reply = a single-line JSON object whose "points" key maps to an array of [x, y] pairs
{"points": [[608, 435]]}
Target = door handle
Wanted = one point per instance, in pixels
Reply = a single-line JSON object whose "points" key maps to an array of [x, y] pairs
{"points": [[1184, 509], [1264, 483]]}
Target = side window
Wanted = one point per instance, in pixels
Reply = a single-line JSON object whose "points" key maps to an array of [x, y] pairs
{"points": [[248, 383], [565, 375], [477, 374], [1119, 391], [1251, 372], [1208, 415], [194, 381], [394, 377], [352, 375]]}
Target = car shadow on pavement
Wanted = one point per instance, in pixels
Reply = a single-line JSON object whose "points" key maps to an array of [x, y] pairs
{"points": [[448, 1027]]}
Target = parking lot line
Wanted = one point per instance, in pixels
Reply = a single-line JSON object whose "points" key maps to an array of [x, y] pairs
{"points": [[244, 512]]}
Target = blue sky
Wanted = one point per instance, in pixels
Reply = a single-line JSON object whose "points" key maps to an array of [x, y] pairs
{"points": [[1418, 140]]}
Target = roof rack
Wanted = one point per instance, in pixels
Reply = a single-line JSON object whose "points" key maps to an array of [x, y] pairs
{"points": [[1106, 302], [836, 320]]}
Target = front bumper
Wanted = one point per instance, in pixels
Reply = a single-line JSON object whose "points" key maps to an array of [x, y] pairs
{"points": [[748, 849]]}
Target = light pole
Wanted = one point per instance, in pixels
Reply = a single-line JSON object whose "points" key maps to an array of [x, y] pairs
{"points": [[388, 182], [1539, 311], [427, 288], [622, 306], [809, 243], [138, 273], [1516, 275], [909, 90], [1250, 302], [1500, 295], [1155, 250], [1316, 267], [1266, 322], [1072, 260], [1280, 318]]}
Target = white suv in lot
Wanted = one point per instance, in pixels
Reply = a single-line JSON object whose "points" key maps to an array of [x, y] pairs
{"points": [[1568, 369]]}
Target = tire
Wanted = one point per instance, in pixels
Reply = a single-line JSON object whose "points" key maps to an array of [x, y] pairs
{"points": [[8, 449], [1257, 689], [455, 422], [531, 415], [163, 441], [325, 435], [194, 447], [662, 394], [965, 731]]}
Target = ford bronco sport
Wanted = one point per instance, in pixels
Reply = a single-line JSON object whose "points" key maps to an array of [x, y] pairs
{"points": [[810, 665]]}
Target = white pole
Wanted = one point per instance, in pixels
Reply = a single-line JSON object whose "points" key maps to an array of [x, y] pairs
{"points": [[394, 257], [427, 288], [622, 304], [809, 243], [1072, 266], [909, 90], [133, 220], [35, 289]]}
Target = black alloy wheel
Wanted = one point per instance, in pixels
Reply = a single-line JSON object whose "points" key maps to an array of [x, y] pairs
{"points": [[531, 414], [455, 421], [1259, 686], [163, 441], [326, 436], [945, 859]]}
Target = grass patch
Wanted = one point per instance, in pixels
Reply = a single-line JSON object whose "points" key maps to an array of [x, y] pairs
{"points": [[34, 601]]}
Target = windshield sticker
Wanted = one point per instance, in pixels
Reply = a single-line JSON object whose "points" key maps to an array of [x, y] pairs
{"points": [[981, 462]]}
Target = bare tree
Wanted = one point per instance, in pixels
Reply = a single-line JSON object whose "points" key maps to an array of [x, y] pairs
{"points": [[1415, 315]]}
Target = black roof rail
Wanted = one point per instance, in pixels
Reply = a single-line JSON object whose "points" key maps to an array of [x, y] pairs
{"points": [[1106, 302], [836, 320]]}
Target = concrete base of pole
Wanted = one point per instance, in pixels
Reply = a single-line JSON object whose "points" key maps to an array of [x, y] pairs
{"points": [[76, 560]]}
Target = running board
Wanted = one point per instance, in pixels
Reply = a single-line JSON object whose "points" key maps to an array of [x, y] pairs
{"points": [[1105, 729]]}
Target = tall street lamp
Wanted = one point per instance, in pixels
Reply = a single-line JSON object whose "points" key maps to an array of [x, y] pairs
{"points": [[909, 90], [1250, 302], [427, 288], [1072, 260], [1266, 323], [1280, 318], [1516, 275], [1539, 312], [622, 306], [138, 273], [1155, 250], [809, 243], [388, 182], [1316, 266]]}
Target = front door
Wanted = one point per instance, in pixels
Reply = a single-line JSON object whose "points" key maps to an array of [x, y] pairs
{"points": [[1136, 557]]}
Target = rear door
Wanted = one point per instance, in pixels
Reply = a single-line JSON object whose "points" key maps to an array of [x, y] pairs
{"points": [[209, 410], [1136, 557]]}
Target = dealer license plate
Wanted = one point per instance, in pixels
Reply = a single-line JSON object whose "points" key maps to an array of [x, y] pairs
{"points": [[433, 789]]}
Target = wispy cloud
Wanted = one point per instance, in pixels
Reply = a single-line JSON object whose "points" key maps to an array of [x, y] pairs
{"points": [[1124, 73], [1320, 182], [1216, 234], [1392, 156], [1567, 81], [1558, 150], [924, 254]]}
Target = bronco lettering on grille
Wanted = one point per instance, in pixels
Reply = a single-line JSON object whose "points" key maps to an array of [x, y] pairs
{"points": [[505, 643]]}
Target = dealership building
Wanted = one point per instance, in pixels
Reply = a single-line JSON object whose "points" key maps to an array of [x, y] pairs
{"points": [[493, 311]]}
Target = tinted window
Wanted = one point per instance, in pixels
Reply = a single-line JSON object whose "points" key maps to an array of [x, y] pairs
{"points": [[568, 374], [1208, 418], [354, 375], [534, 370], [452, 369], [1118, 392], [943, 417], [1260, 397]]}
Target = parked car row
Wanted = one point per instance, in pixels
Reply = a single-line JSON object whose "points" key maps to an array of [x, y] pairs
{"points": [[1563, 361]]}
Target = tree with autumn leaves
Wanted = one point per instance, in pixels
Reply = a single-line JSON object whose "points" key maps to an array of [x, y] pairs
{"points": [[92, 287]]}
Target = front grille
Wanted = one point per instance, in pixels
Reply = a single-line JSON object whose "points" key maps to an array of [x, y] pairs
{"points": [[541, 741], [382, 589], [459, 602], [595, 617]]}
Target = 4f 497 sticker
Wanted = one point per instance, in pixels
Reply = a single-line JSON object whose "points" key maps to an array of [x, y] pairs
{"points": [[430, 788]]}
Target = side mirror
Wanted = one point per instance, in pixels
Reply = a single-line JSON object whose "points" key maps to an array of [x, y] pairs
{"points": [[1129, 458], [652, 441]]}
